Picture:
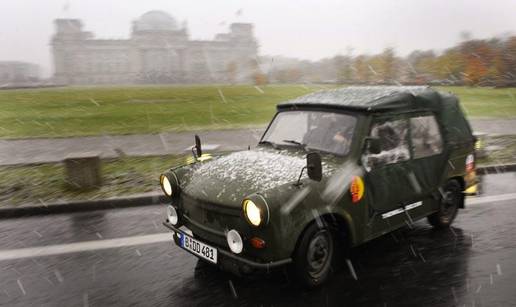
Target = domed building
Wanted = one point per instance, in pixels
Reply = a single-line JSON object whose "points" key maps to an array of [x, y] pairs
{"points": [[155, 21], [158, 51]]}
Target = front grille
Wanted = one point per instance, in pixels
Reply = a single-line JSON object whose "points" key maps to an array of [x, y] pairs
{"points": [[209, 220]]}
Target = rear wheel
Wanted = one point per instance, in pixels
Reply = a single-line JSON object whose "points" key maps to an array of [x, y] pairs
{"points": [[450, 202], [314, 256]]}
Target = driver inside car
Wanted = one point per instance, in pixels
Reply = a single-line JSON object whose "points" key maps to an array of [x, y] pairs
{"points": [[330, 134]]}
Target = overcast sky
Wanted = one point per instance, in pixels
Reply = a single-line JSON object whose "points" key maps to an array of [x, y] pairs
{"points": [[309, 29]]}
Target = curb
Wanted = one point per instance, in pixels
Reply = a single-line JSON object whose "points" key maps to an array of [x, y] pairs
{"points": [[496, 169], [83, 206], [147, 200]]}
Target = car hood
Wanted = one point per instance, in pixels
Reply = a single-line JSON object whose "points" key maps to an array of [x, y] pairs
{"points": [[227, 179]]}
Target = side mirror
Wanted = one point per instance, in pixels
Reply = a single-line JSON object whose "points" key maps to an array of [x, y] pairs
{"points": [[198, 149], [314, 166], [373, 145]]}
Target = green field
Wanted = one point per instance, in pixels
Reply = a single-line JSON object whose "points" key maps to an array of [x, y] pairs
{"points": [[486, 102], [80, 111], [129, 110], [47, 184]]}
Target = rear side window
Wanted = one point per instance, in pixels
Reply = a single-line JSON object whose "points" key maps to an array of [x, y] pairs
{"points": [[426, 138], [393, 143]]}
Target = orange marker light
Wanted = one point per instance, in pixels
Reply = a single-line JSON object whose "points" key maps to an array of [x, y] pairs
{"points": [[356, 189], [257, 243]]}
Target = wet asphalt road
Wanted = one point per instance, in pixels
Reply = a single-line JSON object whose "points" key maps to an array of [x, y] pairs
{"points": [[472, 264]]}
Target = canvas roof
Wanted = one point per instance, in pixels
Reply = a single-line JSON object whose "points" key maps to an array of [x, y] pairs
{"points": [[369, 98]]}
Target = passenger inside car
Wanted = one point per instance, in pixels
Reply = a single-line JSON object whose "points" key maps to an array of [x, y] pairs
{"points": [[393, 144]]}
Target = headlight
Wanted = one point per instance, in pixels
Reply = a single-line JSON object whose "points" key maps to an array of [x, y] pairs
{"points": [[252, 212], [256, 210], [165, 184], [235, 243], [172, 215], [169, 184]]}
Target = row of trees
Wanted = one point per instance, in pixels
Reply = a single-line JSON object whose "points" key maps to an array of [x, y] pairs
{"points": [[473, 62]]}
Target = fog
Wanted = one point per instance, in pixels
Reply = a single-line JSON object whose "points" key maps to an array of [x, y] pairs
{"points": [[307, 29]]}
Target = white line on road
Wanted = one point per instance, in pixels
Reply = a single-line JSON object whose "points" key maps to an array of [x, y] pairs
{"points": [[59, 249]]}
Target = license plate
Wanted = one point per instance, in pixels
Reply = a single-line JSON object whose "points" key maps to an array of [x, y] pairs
{"points": [[198, 248]]}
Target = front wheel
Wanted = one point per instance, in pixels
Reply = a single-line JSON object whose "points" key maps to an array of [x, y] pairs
{"points": [[313, 257], [449, 204]]}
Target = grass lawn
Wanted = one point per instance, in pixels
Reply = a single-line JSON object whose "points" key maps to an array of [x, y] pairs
{"points": [[500, 150], [46, 183], [486, 102], [80, 111]]}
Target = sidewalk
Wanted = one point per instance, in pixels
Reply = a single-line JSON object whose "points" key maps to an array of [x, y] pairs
{"points": [[494, 126], [26, 151]]}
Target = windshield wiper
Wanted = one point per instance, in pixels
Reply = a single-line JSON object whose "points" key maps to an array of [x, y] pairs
{"points": [[295, 143], [268, 143]]}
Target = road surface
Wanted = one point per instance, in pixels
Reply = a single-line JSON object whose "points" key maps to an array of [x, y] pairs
{"points": [[126, 257]]}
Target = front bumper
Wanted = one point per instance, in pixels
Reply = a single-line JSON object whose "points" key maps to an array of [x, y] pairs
{"points": [[233, 262]]}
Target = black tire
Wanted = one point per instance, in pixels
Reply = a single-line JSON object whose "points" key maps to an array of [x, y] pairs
{"points": [[314, 256], [449, 203]]}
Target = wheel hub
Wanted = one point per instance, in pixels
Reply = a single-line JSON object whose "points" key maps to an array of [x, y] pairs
{"points": [[318, 252]]}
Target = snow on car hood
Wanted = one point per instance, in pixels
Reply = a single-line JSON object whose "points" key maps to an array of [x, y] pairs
{"points": [[231, 177]]}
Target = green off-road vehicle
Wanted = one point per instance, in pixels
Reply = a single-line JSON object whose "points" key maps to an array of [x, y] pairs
{"points": [[333, 169]]}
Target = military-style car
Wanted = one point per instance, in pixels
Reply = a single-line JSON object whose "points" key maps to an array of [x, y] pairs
{"points": [[334, 169]]}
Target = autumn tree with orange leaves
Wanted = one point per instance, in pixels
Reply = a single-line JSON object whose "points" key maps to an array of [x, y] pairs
{"points": [[478, 57]]}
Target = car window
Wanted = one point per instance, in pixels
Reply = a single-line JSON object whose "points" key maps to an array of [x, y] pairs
{"points": [[426, 138], [394, 147], [324, 131], [288, 126]]}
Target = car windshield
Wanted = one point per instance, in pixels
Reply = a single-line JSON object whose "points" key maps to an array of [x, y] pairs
{"points": [[323, 131]]}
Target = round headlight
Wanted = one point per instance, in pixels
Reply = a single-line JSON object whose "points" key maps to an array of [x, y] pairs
{"points": [[235, 243], [166, 185], [252, 212], [169, 183], [172, 215]]}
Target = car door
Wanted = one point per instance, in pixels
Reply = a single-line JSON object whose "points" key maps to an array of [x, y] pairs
{"points": [[428, 160], [387, 180]]}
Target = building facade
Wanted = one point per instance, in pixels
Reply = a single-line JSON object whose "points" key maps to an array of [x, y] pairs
{"points": [[158, 51]]}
